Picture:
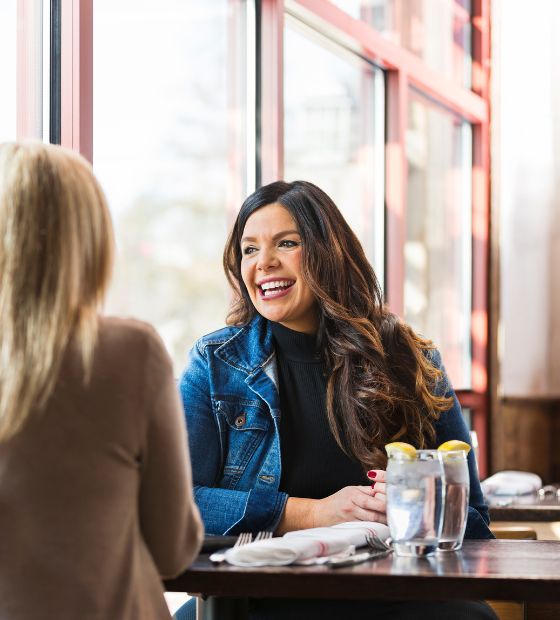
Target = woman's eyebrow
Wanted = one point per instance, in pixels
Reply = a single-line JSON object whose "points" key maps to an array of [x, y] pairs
{"points": [[282, 233]]}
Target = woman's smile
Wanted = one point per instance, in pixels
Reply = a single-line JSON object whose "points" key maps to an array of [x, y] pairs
{"points": [[271, 249], [272, 288]]}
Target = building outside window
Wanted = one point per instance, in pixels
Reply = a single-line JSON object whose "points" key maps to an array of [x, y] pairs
{"points": [[439, 33], [334, 129]]}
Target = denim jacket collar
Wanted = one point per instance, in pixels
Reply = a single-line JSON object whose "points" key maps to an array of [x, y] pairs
{"points": [[251, 348]]}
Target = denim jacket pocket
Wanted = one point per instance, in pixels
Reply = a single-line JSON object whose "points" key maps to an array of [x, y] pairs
{"points": [[246, 427]]}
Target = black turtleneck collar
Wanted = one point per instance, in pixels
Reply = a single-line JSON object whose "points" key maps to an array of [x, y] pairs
{"points": [[294, 345]]}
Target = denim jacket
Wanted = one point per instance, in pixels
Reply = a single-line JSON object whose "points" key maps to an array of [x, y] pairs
{"points": [[232, 406]]}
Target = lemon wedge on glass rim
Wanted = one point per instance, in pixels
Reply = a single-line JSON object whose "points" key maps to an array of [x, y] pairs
{"points": [[402, 448], [454, 444]]}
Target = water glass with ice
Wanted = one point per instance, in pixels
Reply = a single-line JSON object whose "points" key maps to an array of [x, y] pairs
{"points": [[457, 486], [415, 501]]}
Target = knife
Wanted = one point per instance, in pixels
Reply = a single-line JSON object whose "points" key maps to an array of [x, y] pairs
{"points": [[357, 558]]}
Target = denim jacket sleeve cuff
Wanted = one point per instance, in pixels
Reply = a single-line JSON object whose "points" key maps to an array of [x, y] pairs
{"points": [[262, 511], [227, 511]]}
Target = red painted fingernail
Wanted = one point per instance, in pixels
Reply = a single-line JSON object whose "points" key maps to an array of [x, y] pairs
{"points": [[373, 485], [371, 473]]}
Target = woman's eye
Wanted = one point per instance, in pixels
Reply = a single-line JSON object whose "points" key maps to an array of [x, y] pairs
{"points": [[288, 243], [249, 250]]}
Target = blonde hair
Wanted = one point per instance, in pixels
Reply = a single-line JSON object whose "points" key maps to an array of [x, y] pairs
{"points": [[56, 254]]}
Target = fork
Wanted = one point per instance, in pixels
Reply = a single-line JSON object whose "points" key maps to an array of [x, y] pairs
{"points": [[243, 539], [373, 541]]}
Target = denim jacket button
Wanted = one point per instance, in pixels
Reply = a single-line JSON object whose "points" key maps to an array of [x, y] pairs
{"points": [[240, 420]]}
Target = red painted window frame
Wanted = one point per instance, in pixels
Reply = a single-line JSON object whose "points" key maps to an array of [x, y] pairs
{"points": [[76, 127], [76, 74]]}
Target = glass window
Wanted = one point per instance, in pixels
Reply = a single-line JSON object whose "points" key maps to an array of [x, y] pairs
{"points": [[8, 30], [437, 32], [168, 110], [438, 248], [334, 130], [467, 416]]}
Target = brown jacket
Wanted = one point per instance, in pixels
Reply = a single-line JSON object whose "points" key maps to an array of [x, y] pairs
{"points": [[96, 491]]}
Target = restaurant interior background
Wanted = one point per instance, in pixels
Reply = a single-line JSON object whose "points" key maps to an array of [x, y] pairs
{"points": [[434, 124]]}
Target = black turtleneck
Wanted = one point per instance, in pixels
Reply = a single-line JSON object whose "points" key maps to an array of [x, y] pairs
{"points": [[313, 465]]}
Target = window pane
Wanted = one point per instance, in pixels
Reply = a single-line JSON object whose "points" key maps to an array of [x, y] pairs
{"points": [[438, 249], [8, 30], [334, 130], [167, 109], [439, 32], [467, 416]]}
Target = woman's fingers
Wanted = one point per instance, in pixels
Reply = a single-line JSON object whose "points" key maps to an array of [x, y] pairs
{"points": [[376, 475], [370, 505], [369, 500], [378, 486], [366, 515], [374, 490], [381, 500], [355, 503]]}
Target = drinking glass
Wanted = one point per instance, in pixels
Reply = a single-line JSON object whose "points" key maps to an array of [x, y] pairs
{"points": [[457, 487], [415, 501]]}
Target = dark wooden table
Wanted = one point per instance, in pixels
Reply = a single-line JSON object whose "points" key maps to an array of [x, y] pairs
{"points": [[524, 508], [496, 569]]}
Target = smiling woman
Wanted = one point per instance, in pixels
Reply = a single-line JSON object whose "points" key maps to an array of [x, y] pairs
{"points": [[289, 408]]}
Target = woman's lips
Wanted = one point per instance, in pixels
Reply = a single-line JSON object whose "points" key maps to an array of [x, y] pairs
{"points": [[274, 294]]}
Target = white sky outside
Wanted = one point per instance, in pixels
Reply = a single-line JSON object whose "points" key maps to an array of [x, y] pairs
{"points": [[152, 46], [161, 139], [8, 29]]}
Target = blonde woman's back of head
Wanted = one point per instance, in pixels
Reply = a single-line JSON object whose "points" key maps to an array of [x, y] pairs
{"points": [[56, 251]]}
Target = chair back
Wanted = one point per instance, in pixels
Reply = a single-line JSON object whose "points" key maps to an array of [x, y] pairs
{"points": [[514, 532]]}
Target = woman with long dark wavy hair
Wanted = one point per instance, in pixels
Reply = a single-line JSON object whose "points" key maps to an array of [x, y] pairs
{"points": [[290, 407]]}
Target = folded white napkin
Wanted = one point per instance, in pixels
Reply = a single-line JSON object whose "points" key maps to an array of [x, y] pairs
{"points": [[511, 483], [312, 546]]}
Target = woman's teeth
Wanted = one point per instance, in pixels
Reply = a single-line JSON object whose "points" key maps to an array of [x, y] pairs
{"points": [[269, 288]]}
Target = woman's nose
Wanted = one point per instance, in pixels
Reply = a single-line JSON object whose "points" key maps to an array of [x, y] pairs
{"points": [[268, 259]]}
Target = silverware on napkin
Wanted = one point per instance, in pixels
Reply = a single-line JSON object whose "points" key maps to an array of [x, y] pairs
{"points": [[378, 548], [244, 539]]}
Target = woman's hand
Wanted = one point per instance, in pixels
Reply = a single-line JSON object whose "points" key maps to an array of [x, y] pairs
{"points": [[355, 503], [379, 488]]}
